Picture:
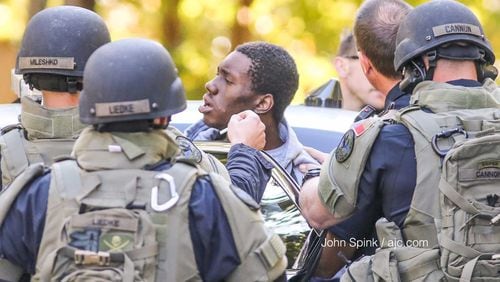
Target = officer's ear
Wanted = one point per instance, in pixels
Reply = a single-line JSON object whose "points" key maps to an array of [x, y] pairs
{"points": [[341, 66], [161, 122], [366, 63], [264, 103]]}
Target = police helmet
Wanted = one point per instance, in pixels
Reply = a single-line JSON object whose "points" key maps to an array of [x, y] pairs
{"points": [[130, 80], [57, 43], [436, 23]]}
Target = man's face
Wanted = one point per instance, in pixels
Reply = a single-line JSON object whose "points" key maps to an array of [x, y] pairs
{"points": [[229, 92], [359, 86]]}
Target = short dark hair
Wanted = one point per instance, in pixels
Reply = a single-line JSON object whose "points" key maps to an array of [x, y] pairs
{"points": [[347, 46], [375, 29], [272, 71]]}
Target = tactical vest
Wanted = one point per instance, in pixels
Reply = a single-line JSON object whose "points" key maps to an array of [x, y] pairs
{"points": [[188, 150], [452, 107], [115, 222], [456, 111], [42, 136]]}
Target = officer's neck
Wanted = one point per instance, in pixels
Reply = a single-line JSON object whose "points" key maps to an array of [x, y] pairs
{"points": [[60, 100], [448, 70]]}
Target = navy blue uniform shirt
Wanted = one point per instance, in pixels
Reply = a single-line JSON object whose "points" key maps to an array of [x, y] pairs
{"points": [[396, 99], [215, 251], [379, 168], [388, 181]]}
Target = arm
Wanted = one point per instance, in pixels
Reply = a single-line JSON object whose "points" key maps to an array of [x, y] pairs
{"points": [[213, 243], [313, 209], [330, 261], [215, 249], [22, 229], [248, 170]]}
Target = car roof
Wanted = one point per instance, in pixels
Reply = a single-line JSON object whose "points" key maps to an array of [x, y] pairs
{"points": [[9, 113]]}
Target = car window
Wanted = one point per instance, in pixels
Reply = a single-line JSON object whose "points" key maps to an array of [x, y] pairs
{"points": [[279, 206]]}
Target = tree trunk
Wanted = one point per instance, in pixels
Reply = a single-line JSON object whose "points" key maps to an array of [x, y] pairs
{"points": [[36, 6], [171, 23], [87, 4], [240, 32]]}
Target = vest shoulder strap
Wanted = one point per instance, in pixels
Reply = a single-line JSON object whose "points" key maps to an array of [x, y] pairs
{"points": [[14, 157], [339, 194], [262, 252], [8, 271]]}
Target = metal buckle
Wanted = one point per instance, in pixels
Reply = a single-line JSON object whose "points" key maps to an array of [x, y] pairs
{"points": [[445, 134], [83, 257]]}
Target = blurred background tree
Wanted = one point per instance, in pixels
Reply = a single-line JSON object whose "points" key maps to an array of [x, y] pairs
{"points": [[200, 33]]}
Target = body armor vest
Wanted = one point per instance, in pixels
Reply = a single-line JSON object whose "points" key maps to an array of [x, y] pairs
{"points": [[439, 213], [42, 136], [112, 220]]}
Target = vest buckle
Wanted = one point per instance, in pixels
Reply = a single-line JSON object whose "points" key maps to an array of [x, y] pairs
{"points": [[83, 257], [174, 197]]}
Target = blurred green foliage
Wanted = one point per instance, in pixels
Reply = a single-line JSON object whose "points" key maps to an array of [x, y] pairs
{"points": [[199, 33]]}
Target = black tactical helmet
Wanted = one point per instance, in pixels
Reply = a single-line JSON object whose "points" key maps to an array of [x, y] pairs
{"points": [[58, 41], [130, 80], [435, 23]]}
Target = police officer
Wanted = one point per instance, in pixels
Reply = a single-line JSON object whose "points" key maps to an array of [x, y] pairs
{"points": [[375, 31], [54, 50], [375, 172], [355, 88], [375, 28], [124, 209]]}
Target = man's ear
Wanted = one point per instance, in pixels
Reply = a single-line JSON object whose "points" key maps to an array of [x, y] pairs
{"points": [[265, 103], [341, 66], [366, 64]]}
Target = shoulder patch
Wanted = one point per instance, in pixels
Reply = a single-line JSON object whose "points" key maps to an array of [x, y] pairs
{"points": [[361, 126], [345, 147], [188, 149]]}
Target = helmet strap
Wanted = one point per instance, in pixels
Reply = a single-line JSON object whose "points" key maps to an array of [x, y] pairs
{"points": [[432, 56], [413, 73], [56, 83], [125, 126]]}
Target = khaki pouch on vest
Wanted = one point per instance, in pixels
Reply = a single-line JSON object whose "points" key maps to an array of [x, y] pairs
{"points": [[395, 260], [105, 245], [397, 264], [470, 208]]}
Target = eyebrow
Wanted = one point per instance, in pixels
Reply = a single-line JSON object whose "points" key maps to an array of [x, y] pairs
{"points": [[226, 73], [354, 57]]}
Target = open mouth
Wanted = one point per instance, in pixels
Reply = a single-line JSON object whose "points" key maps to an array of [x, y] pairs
{"points": [[206, 107]]}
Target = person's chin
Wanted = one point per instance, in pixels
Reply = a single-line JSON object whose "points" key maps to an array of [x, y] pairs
{"points": [[208, 120]]}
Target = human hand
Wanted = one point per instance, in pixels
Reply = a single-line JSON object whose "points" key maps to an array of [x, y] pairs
{"points": [[247, 128], [316, 154]]}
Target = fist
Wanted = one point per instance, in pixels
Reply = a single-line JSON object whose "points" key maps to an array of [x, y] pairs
{"points": [[247, 128]]}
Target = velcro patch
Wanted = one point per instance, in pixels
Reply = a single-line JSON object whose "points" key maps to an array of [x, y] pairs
{"points": [[361, 126], [122, 108], [66, 63], [345, 147], [456, 28], [189, 150]]}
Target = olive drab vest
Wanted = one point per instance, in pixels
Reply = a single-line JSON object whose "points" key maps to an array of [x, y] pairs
{"points": [[42, 136], [109, 220], [190, 151], [434, 243]]}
